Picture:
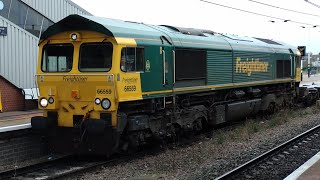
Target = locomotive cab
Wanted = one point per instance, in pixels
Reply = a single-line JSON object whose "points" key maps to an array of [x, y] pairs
{"points": [[76, 75]]}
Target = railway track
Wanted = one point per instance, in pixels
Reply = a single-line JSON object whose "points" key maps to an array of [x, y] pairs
{"points": [[19, 172], [65, 166], [280, 161], [56, 168], [69, 165]]}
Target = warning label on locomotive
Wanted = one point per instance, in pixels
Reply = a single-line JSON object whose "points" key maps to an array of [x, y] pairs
{"points": [[249, 66]]}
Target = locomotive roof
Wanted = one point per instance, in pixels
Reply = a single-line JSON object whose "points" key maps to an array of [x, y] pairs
{"points": [[179, 37]]}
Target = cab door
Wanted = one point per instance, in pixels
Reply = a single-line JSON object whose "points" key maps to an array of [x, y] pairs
{"points": [[169, 74], [157, 79], [167, 66]]}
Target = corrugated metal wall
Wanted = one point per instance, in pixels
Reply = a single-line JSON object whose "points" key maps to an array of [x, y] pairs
{"points": [[19, 49], [18, 55], [56, 10]]}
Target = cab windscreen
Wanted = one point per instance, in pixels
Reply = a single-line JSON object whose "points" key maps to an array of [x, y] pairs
{"points": [[57, 58], [95, 57]]}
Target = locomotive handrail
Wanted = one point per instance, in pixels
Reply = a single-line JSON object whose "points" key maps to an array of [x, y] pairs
{"points": [[114, 86], [174, 66], [36, 83], [164, 66]]}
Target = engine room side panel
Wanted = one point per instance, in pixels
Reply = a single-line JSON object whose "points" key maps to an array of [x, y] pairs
{"points": [[219, 67]]}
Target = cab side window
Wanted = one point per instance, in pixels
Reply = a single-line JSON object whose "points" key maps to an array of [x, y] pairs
{"points": [[132, 59]]}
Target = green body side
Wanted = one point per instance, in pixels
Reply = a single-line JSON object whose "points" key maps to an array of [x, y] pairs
{"points": [[222, 53]]}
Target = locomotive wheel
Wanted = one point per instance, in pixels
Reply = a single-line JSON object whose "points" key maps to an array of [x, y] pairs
{"points": [[128, 144], [270, 110], [197, 125], [308, 101], [177, 132]]}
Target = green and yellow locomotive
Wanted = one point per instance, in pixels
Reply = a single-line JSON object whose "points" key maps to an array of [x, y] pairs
{"points": [[108, 84]]}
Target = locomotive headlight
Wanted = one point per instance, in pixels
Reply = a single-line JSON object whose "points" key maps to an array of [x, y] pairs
{"points": [[51, 100], [1, 5], [298, 53], [74, 37], [97, 101], [105, 104], [43, 102]]}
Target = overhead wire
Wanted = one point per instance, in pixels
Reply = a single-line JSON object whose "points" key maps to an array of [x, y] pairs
{"points": [[277, 7], [314, 4], [259, 14]]}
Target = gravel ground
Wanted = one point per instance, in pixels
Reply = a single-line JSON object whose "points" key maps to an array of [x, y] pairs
{"points": [[209, 158]]}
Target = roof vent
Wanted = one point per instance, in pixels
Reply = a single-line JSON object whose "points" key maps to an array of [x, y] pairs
{"points": [[268, 41], [187, 31]]}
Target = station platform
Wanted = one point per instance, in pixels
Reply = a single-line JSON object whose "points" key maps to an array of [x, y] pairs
{"points": [[11, 121], [310, 170]]}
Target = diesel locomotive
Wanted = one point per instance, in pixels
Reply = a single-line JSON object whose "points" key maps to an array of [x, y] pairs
{"points": [[108, 85]]}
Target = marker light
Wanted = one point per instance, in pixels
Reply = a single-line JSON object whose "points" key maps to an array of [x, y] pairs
{"points": [[51, 100], [105, 104], [74, 37], [43, 102], [97, 101]]}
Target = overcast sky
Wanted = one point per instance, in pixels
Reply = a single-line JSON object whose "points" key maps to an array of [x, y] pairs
{"points": [[199, 14]]}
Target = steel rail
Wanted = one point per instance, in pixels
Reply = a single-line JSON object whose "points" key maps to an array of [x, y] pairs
{"points": [[87, 167], [33, 167], [62, 167], [269, 153]]}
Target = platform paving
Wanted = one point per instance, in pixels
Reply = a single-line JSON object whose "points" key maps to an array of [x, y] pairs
{"points": [[18, 119]]}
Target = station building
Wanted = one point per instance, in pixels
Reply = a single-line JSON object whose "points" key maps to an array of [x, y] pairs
{"points": [[21, 25]]}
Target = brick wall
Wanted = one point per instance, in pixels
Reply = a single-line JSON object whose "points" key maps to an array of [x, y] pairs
{"points": [[12, 97], [30, 104]]}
